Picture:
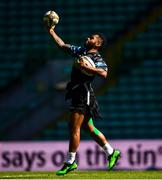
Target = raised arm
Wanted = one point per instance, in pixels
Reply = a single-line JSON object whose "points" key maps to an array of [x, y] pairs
{"points": [[57, 39]]}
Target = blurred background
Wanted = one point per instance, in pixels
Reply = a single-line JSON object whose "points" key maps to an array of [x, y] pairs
{"points": [[34, 71]]}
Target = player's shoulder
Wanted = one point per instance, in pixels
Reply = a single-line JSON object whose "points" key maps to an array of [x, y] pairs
{"points": [[98, 58], [95, 56]]}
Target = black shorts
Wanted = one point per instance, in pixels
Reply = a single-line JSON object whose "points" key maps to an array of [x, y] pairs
{"points": [[83, 100]]}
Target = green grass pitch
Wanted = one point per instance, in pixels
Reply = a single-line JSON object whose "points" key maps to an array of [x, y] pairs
{"points": [[84, 175]]}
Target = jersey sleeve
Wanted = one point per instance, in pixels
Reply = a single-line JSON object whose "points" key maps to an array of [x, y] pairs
{"points": [[77, 50], [100, 63]]}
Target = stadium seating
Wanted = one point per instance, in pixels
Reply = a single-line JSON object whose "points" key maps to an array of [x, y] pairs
{"points": [[130, 108], [23, 34]]}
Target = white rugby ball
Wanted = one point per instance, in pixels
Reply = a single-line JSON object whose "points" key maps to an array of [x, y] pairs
{"points": [[89, 62], [51, 18]]}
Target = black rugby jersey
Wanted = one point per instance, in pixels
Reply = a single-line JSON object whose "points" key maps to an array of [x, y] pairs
{"points": [[77, 77]]}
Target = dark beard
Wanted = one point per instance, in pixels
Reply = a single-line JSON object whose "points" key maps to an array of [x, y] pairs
{"points": [[88, 47]]}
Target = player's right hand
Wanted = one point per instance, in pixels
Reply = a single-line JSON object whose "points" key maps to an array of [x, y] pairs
{"points": [[51, 30]]}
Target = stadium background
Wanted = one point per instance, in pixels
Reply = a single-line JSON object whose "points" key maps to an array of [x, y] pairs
{"points": [[33, 71]]}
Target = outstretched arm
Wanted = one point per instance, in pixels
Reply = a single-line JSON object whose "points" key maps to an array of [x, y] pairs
{"points": [[57, 39]]}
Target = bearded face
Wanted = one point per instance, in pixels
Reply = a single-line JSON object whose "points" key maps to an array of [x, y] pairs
{"points": [[93, 42]]}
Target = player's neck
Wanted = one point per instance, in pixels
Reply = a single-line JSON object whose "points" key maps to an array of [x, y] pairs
{"points": [[92, 51]]}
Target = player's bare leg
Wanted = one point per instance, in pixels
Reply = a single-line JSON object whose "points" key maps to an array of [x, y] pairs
{"points": [[95, 133], [112, 154], [75, 124]]}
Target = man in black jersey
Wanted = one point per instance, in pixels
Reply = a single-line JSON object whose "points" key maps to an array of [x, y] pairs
{"points": [[84, 106]]}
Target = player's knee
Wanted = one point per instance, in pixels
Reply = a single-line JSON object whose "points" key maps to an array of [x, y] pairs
{"points": [[96, 131], [74, 129], [93, 130]]}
